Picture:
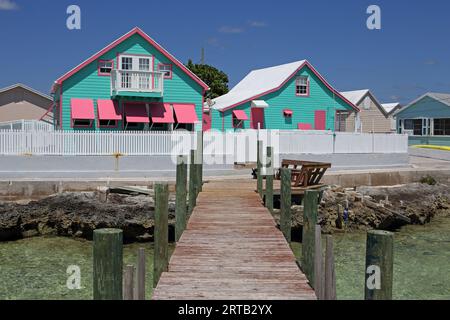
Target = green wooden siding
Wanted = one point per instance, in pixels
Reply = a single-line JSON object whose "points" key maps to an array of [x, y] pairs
{"points": [[320, 98], [86, 83], [425, 108]]}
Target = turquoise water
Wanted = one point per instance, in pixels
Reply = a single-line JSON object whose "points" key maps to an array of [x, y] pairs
{"points": [[35, 268], [421, 262]]}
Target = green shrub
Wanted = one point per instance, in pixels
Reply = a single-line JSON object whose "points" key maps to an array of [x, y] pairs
{"points": [[428, 180]]}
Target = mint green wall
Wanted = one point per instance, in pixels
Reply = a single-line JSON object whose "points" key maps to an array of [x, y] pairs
{"points": [[88, 84], [425, 108], [431, 140], [320, 98]]}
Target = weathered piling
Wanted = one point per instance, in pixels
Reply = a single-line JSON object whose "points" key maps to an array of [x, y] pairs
{"points": [[339, 219], [107, 264], [192, 182], [379, 265], [269, 179], [285, 203], [308, 233], [259, 154], [140, 273], [161, 232], [128, 283], [330, 275], [200, 160], [180, 197], [318, 264]]}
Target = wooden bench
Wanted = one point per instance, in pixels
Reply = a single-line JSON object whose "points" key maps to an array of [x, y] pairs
{"points": [[304, 173]]}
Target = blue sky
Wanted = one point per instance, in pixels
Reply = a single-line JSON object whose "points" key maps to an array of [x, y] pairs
{"points": [[407, 57]]}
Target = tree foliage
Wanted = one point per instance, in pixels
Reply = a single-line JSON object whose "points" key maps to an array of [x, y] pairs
{"points": [[216, 79]]}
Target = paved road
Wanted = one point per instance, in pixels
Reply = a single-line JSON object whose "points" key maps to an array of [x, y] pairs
{"points": [[430, 153]]}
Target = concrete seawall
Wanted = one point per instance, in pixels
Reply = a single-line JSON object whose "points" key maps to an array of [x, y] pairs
{"points": [[37, 188]]}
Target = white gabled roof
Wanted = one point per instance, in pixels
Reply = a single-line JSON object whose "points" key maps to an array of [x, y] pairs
{"points": [[388, 107], [355, 96], [441, 97], [257, 82], [263, 81]]}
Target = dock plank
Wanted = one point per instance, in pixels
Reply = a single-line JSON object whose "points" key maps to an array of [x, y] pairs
{"points": [[232, 249]]}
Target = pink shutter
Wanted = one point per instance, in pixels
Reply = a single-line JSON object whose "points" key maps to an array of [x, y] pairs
{"points": [[320, 119], [207, 121]]}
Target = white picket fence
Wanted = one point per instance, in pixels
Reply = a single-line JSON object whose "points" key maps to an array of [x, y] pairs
{"points": [[27, 125], [241, 145]]}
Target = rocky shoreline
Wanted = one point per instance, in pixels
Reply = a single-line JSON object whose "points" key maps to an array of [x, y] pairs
{"points": [[386, 208], [77, 214]]}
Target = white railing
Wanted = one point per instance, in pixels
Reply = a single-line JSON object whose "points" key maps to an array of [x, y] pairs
{"points": [[241, 146], [26, 125], [137, 81]]}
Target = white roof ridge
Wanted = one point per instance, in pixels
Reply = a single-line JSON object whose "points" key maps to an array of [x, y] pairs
{"points": [[257, 82]]}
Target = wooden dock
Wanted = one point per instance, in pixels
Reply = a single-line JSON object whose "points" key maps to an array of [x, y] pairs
{"points": [[232, 249]]}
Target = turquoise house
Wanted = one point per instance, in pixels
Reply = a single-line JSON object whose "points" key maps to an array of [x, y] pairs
{"points": [[131, 84], [289, 96], [426, 120]]}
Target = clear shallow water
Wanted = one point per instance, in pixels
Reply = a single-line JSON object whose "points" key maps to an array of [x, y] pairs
{"points": [[35, 268], [421, 262]]}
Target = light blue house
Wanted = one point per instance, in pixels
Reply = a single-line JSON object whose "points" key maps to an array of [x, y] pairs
{"points": [[288, 96], [426, 119]]}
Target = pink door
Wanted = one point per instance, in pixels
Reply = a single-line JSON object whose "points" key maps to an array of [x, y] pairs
{"points": [[206, 121], [320, 117], [257, 117]]}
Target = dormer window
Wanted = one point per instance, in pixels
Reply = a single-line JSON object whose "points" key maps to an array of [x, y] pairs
{"points": [[302, 86]]}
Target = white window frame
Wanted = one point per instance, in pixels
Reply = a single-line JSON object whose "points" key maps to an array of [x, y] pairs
{"points": [[162, 68], [302, 81], [105, 64], [136, 62]]}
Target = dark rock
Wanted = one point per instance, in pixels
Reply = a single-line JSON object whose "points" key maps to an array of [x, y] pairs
{"points": [[78, 214]]}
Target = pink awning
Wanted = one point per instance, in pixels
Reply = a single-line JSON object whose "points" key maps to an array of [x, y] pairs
{"points": [[240, 115], [136, 113], [304, 126], [161, 113], [185, 113], [287, 112], [82, 109], [108, 110]]}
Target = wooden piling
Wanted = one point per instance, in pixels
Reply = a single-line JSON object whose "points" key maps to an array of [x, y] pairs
{"points": [[285, 203], [161, 231], [140, 273], [269, 179], [180, 197], [330, 275], [318, 264], [192, 182], [128, 283], [379, 265], [339, 220], [308, 233], [259, 154], [107, 264], [200, 160]]}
